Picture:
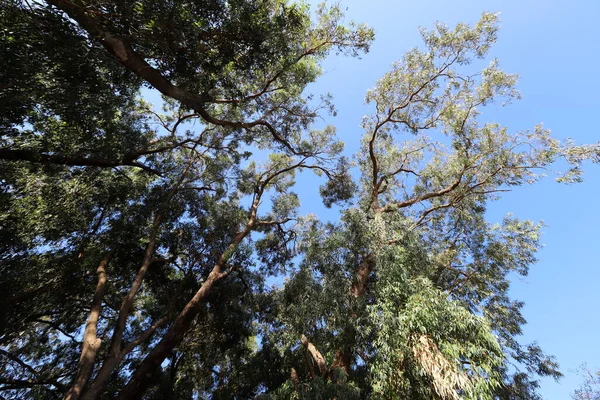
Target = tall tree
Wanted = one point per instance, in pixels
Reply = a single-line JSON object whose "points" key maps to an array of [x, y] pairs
{"points": [[412, 282], [131, 218], [137, 243]]}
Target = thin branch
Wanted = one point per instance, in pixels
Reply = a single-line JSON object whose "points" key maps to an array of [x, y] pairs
{"points": [[397, 205], [273, 222], [144, 336], [26, 383], [57, 328], [16, 359]]}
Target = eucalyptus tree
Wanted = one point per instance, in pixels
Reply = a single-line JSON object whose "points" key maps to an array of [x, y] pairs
{"points": [[128, 217], [137, 242], [411, 284]]}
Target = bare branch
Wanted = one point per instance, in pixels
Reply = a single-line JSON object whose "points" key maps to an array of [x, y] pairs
{"points": [[395, 206]]}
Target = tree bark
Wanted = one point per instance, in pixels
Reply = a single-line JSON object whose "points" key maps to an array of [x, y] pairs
{"points": [[91, 342], [142, 377], [294, 378], [115, 354], [317, 356], [342, 361], [362, 275]]}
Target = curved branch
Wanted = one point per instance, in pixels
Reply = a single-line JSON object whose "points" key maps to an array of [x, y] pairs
{"points": [[122, 49], [395, 206], [16, 359]]}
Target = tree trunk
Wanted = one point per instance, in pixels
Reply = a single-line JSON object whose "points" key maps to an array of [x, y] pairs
{"points": [[142, 377], [91, 342], [114, 356]]}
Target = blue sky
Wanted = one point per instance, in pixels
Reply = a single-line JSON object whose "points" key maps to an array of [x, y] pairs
{"points": [[555, 47]]}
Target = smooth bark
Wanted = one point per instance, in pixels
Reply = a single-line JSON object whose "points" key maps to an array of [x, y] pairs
{"points": [[91, 342]]}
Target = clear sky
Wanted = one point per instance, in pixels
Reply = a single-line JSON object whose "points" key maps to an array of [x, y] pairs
{"points": [[555, 47]]}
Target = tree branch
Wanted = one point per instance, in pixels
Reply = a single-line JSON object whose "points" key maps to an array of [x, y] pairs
{"points": [[395, 206], [144, 336], [91, 342], [75, 161], [121, 48], [317, 356]]}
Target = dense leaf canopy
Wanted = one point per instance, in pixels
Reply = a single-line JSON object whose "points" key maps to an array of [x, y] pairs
{"points": [[139, 241]]}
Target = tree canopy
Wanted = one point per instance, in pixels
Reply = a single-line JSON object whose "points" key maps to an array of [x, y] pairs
{"points": [[590, 388], [139, 241]]}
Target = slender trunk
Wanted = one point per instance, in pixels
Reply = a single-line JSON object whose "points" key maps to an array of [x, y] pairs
{"points": [[142, 377], [114, 355], [91, 342]]}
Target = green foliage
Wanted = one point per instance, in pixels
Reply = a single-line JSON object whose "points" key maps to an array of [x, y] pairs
{"points": [[148, 239]]}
